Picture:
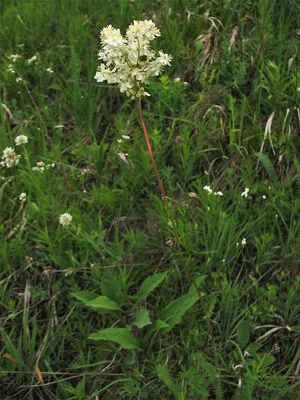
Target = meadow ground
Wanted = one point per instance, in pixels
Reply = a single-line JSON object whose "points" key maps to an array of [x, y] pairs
{"points": [[102, 308]]}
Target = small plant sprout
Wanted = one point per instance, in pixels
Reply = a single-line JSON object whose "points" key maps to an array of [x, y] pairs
{"points": [[65, 219], [21, 139], [10, 158]]}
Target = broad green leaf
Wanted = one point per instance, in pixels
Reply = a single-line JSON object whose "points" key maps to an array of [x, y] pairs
{"points": [[118, 335], [267, 163], [150, 284], [104, 303], [161, 324], [173, 313], [111, 288], [85, 297], [142, 318], [243, 333]]}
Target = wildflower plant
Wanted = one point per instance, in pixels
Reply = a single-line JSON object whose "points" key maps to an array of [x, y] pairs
{"points": [[129, 62]]}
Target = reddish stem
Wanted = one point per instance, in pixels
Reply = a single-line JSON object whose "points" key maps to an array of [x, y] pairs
{"points": [[188, 272]]}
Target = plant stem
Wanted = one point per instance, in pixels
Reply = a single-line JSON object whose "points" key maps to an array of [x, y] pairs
{"points": [[188, 272]]}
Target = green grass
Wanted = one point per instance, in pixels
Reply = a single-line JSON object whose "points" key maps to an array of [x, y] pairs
{"points": [[119, 235]]}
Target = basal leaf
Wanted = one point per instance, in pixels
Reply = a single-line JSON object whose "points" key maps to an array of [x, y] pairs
{"points": [[85, 297], [173, 312], [121, 336], [150, 284], [142, 318], [104, 303]]}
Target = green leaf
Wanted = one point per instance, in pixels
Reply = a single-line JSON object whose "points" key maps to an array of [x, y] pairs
{"points": [[243, 333], [118, 335], [173, 313], [142, 318], [85, 297], [103, 303], [267, 163], [165, 376], [198, 282], [150, 284], [111, 288], [161, 324]]}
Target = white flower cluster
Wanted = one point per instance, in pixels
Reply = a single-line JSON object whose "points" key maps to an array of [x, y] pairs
{"points": [[10, 68], [32, 59], [129, 61], [9, 158], [41, 166], [65, 219], [209, 190], [22, 196], [21, 139], [14, 57], [124, 137], [243, 243]]}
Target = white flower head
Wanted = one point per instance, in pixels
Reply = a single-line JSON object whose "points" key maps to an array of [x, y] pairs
{"points": [[9, 158], [65, 219], [244, 241], [22, 196], [264, 197], [128, 60], [21, 139]]}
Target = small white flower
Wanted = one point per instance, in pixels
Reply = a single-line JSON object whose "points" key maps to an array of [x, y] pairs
{"points": [[237, 245], [10, 158], [22, 196], [223, 260], [65, 219], [21, 139], [33, 58], [126, 137], [219, 193], [208, 189], [245, 193], [10, 68], [192, 195], [120, 140], [18, 79], [177, 79], [14, 57], [244, 241], [50, 70], [185, 83], [264, 197]]}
